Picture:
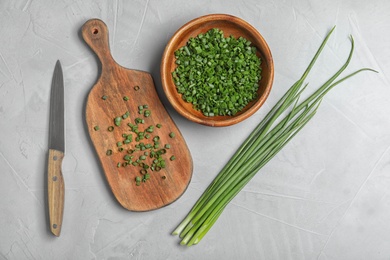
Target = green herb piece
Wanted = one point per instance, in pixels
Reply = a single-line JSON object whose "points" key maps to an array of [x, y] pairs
{"points": [[119, 144], [147, 113], [158, 125], [118, 165], [279, 126], [96, 128], [167, 146], [126, 115], [171, 134], [150, 129], [172, 158], [117, 121], [109, 152], [104, 97], [146, 177], [132, 126], [162, 164], [162, 151], [139, 120], [125, 98]]}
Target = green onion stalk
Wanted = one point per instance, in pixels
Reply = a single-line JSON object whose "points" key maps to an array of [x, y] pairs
{"points": [[265, 141]]}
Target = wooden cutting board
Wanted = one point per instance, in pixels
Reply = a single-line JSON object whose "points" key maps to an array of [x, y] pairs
{"points": [[119, 93]]}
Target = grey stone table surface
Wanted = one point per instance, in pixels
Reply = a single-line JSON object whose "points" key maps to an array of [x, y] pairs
{"points": [[324, 196]]}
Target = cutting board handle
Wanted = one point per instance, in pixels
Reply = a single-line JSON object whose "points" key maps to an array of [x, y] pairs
{"points": [[95, 34]]}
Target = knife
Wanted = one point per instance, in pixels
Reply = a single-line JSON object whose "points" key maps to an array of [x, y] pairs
{"points": [[55, 181]]}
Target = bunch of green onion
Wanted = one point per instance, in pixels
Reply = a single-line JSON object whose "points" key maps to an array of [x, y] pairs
{"points": [[266, 140]]}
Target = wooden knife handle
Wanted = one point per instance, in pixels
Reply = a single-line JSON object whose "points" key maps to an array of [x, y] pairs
{"points": [[56, 191]]}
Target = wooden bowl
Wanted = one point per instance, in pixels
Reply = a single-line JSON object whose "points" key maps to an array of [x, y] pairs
{"points": [[230, 25]]}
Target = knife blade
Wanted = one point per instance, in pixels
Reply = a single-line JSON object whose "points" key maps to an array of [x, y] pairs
{"points": [[55, 180]]}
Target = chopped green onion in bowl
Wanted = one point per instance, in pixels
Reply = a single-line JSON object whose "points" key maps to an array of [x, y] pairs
{"points": [[219, 75], [217, 110]]}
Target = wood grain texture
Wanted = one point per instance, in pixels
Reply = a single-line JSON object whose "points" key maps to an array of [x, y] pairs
{"points": [[230, 25], [115, 82], [56, 191]]}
